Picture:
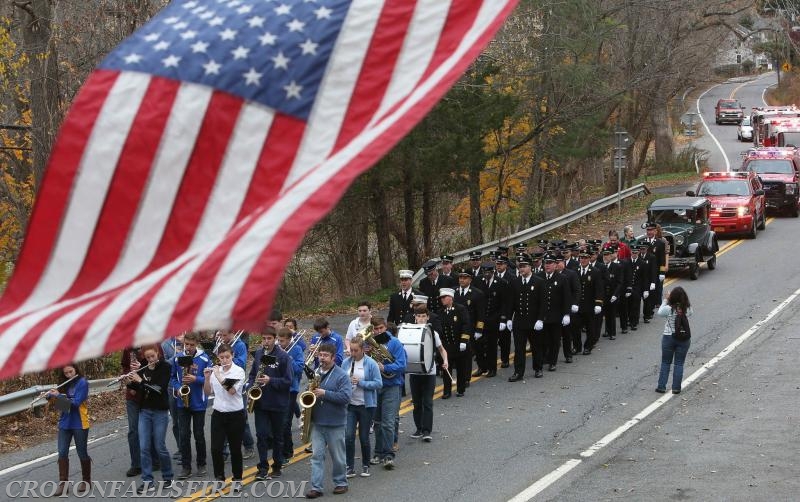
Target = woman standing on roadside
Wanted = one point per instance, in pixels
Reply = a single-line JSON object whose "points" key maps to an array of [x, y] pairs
{"points": [[676, 302], [73, 423]]}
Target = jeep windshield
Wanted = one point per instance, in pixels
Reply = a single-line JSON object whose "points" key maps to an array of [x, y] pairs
{"points": [[671, 217], [771, 166], [732, 187]]}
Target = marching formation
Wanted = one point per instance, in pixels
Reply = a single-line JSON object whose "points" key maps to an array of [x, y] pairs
{"points": [[556, 299]]}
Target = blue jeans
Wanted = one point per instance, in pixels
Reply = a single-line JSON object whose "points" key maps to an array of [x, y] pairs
{"points": [[332, 438], [153, 427], [360, 416], [385, 418], [672, 349], [132, 410], [81, 438]]}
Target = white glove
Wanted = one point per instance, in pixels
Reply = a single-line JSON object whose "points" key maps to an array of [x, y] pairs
{"points": [[652, 286], [462, 347], [574, 309], [502, 326], [645, 294], [661, 277], [627, 295], [508, 325], [478, 336], [597, 309], [538, 326], [613, 299], [565, 320]]}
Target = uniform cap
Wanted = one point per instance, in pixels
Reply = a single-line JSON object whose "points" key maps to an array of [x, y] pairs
{"points": [[406, 274], [523, 259], [446, 258], [419, 299], [464, 272], [447, 292], [487, 265], [475, 255]]}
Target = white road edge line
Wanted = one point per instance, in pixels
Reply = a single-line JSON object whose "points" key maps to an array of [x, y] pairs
{"points": [[544, 482], [708, 130], [51, 455]]}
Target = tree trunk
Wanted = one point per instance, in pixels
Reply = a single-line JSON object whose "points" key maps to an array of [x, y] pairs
{"points": [[662, 134], [40, 48], [412, 256], [475, 223], [381, 220], [427, 219]]}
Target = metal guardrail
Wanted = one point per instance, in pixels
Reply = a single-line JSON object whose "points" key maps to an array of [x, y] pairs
{"points": [[543, 228], [20, 400]]}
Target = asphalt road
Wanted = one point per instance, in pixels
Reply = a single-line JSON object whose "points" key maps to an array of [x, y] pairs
{"points": [[729, 436]]}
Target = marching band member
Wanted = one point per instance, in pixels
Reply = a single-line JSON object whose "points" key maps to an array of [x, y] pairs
{"points": [[270, 410], [365, 378], [388, 408], [292, 325], [297, 356], [170, 348], [456, 329], [225, 383], [357, 324], [132, 360], [239, 352], [192, 418], [153, 385], [324, 334], [329, 417], [72, 394], [422, 386]]}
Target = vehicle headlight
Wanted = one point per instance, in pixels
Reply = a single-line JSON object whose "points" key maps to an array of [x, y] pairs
{"points": [[679, 240], [742, 210], [791, 188]]}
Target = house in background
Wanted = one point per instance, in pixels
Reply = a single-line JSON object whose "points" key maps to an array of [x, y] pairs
{"points": [[738, 47]]}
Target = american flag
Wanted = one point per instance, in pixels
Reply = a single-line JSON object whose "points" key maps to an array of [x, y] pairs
{"points": [[201, 150]]}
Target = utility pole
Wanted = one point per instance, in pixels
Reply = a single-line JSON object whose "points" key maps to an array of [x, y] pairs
{"points": [[622, 140]]}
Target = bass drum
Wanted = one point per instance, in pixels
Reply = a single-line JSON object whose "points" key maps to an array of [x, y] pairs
{"points": [[418, 341]]}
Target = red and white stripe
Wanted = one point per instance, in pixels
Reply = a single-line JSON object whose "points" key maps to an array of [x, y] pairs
{"points": [[168, 206]]}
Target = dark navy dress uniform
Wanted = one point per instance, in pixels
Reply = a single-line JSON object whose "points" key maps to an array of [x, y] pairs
{"points": [[527, 294], [590, 296], [456, 329], [554, 305]]}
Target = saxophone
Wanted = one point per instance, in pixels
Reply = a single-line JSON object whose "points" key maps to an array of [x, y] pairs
{"points": [[378, 352], [307, 402]]}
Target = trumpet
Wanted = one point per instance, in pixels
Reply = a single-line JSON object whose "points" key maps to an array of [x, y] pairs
{"points": [[43, 394]]}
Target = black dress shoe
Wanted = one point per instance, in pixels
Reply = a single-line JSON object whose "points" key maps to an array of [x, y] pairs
{"points": [[646, 320], [504, 365], [446, 396], [624, 331], [634, 328], [551, 367], [605, 335], [586, 352], [538, 374], [515, 377], [492, 373], [459, 394], [478, 372], [568, 359], [612, 337]]}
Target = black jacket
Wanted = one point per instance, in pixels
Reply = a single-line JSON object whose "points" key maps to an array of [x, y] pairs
{"points": [[432, 290], [456, 327], [591, 290], [555, 301], [498, 304], [475, 301], [398, 308], [527, 300]]}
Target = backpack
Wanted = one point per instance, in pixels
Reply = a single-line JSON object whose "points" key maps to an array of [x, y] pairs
{"points": [[682, 332]]}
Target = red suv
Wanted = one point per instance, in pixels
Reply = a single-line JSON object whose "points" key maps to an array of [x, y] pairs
{"points": [[728, 110], [737, 202]]}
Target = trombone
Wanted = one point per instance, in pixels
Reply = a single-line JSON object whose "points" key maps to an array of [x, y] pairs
{"points": [[43, 394]]}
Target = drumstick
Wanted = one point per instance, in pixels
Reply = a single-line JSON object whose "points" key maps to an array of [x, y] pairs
{"points": [[448, 374]]}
